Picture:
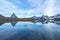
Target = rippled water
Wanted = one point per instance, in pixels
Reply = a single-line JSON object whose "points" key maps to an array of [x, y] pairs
{"points": [[30, 31]]}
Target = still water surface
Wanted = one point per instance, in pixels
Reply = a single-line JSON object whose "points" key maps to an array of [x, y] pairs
{"points": [[30, 31]]}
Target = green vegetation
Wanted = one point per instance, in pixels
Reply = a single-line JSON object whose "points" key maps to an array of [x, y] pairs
{"points": [[7, 19]]}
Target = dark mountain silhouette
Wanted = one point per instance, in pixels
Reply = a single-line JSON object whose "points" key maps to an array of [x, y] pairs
{"points": [[13, 16], [14, 19], [1, 16]]}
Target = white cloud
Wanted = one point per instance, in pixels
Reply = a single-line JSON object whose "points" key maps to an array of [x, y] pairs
{"points": [[7, 6], [49, 10], [37, 4], [18, 2], [45, 6]]}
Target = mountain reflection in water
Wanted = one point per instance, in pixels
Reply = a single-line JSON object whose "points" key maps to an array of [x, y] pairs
{"points": [[30, 30], [13, 23]]}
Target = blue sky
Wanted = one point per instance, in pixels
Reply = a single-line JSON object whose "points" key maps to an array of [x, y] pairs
{"points": [[28, 8]]}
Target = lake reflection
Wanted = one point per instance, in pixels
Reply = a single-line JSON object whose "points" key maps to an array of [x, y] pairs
{"points": [[30, 31]]}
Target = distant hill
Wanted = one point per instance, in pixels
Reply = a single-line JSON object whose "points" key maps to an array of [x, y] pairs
{"points": [[1, 17]]}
